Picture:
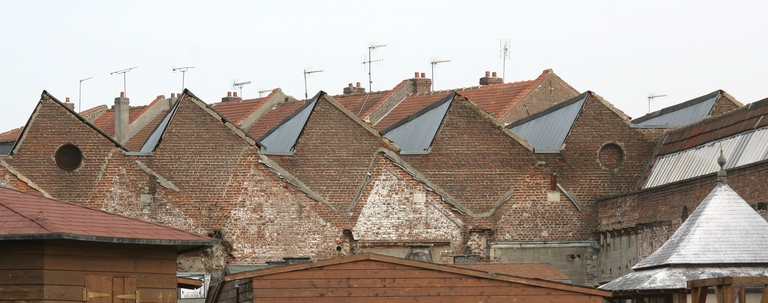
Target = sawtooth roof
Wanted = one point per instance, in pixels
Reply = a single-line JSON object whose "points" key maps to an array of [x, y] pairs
{"points": [[412, 106], [274, 117], [237, 111], [724, 236], [681, 114], [415, 133], [282, 138], [25, 216], [548, 129]]}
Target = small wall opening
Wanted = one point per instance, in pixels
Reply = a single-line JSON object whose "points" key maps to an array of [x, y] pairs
{"points": [[610, 155], [68, 157]]}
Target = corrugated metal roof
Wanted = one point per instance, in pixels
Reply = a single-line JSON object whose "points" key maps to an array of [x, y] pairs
{"points": [[724, 230], [741, 149], [547, 130], [679, 115], [414, 134], [281, 140]]}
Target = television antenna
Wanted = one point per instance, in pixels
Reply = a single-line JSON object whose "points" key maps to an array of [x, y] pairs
{"points": [[240, 86], [651, 96], [80, 95], [369, 61], [504, 53], [124, 71], [436, 62], [263, 91], [307, 72], [183, 71]]}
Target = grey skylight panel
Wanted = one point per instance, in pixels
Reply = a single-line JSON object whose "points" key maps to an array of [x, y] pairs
{"points": [[151, 143], [282, 139], [548, 132], [680, 117], [415, 136], [6, 148], [741, 149]]}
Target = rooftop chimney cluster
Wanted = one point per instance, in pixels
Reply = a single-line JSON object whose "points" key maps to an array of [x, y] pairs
{"points": [[490, 78], [421, 84], [354, 89], [231, 96]]}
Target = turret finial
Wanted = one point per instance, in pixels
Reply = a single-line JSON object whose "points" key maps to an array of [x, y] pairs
{"points": [[722, 175]]}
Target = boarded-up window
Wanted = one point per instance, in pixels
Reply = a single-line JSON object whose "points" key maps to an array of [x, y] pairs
{"points": [[110, 289]]}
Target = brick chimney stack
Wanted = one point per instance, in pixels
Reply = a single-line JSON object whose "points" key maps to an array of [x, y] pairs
{"points": [[121, 118], [231, 96], [354, 89], [69, 105], [490, 79], [420, 83]]}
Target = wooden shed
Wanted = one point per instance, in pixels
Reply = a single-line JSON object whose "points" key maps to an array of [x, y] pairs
{"points": [[377, 278], [57, 251]]}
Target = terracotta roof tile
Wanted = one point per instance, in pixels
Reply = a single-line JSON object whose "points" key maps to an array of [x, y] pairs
{"points": [[364, 104], [273, 117], [237, 111], [11, 135], [740, 120], [498, 99], [543, 271], [28, 216], [411, 105], [137, 140]]}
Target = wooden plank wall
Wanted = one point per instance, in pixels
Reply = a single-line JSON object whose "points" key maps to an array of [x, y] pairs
{"points": [[56, 269], [21, 271], [371, 281], [243, 293]]}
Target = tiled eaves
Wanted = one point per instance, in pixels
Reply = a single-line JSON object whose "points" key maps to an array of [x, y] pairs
{"points": [[11, 134], [46, 97], [360, 122], [23, 178], [418, 176]]}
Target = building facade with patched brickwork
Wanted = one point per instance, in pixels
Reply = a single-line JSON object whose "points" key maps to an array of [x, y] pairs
{"points": [[436, 175]]}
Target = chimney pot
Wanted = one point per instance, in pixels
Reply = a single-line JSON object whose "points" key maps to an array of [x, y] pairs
{"points": [[122, 94], [234, 94], [358, 84], [416, 74], [229, 94], [494, 74], [67, 100], [350, 85], [422, 75], [173, 95], [487, 73]]}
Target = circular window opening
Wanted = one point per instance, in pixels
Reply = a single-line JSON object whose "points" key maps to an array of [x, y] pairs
{"points": [[611, 155], [68, 157]]}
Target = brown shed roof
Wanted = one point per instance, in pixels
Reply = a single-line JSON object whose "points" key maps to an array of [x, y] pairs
{"points": [[27, 216], [397, 264]]}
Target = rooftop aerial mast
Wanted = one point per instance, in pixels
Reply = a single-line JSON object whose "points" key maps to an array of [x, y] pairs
{"points": [[369, 61], [124, 71]]}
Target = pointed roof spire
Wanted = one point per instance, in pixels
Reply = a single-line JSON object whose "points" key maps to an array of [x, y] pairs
{"points": [[722, 175]]}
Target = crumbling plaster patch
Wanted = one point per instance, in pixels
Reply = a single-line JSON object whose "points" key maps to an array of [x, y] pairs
{"points": [[395, 211], [270, 223]]}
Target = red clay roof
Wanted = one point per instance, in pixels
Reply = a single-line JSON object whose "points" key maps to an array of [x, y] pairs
{"points": [[543, 271], [364, 104], [411, 105], [106, 122], [27, 216], [11, 135], [739, 120], [137, 140], [498, 99], [273, 117], [237, 111]]}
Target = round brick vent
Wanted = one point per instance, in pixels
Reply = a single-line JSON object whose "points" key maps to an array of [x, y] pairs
{"points": [[68, 157], [610, 155]]}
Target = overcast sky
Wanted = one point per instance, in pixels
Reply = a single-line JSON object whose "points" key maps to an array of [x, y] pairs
{"points": [[622, 50]]}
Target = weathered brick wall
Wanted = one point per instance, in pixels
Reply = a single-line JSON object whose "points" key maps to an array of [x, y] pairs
{"points": [[550, 91], [723, 105], [51, 127], [332, 154], [396, 208]]}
